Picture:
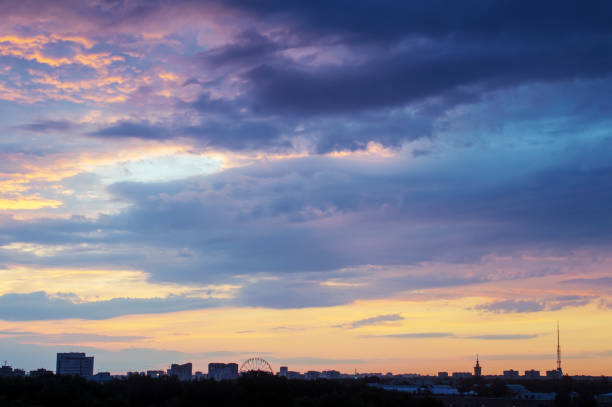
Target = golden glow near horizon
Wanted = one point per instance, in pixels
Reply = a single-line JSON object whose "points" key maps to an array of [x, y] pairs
{"points": [[435, 335]]}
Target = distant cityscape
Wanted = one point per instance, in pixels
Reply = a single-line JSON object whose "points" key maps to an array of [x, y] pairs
{"points": [[443, 385], [79, 363]]}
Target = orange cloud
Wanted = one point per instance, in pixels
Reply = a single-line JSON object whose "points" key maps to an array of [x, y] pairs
{"points": [[28, 203]]}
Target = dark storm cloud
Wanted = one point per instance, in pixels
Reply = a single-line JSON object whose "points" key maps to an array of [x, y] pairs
{"points": [[457, 73], [389, 20], [40, 306], [419, 51], [367, 58], [250, 47]]}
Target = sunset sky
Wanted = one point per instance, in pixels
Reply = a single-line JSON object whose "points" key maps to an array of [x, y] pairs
{"points": [[371, 185]]}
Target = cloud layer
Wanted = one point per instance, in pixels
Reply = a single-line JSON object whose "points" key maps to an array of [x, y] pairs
{"points": [[292, 157]]}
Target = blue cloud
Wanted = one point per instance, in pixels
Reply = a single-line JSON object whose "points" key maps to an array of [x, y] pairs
{"points": [[377, 320], [40, 306]]}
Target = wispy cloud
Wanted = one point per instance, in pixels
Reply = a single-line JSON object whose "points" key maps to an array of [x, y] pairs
{"points": [[415, 335], [68, 338], [502, 337], [377, 320], [40, 306], [525, 306], [484, 337]]}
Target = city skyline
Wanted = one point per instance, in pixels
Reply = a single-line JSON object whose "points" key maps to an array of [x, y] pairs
{"points": [[373, 185], [81, 364], [220, 367]]}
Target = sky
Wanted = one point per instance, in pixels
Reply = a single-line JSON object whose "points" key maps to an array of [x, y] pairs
{"points": [[380, 186]]}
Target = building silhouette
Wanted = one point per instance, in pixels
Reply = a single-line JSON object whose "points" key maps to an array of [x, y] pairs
{"points": [[461, 375], [74, 363], [511, 374], [40, 372], [155, 373], [223, 371], [477, 368], [559, 370], [183, 372]]}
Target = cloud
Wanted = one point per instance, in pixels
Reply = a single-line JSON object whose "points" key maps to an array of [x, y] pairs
{"points": [[377, 320], [317, 82], [299, 222], [512, 306], [67, 338], [309, 360], [130, 129], [40, 306], [550, 356], [597, 282], [546, 304], [484, 337], [502, 337], [415, 335], [43, 126]]}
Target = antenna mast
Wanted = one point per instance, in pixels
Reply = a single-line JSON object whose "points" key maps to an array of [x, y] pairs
{"points": [[558, 350]]}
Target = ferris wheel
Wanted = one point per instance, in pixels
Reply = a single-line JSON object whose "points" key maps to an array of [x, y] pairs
{"points": [[256, 365]]}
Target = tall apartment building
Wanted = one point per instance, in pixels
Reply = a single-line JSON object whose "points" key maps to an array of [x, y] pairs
{"points": [[74, 363]]}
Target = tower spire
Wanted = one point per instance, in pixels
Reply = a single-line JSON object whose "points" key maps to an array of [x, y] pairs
{"points": [[477, 368], [558, 351]]}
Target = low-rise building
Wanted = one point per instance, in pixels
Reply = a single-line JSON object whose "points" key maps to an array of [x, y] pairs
{"points": [[330, 374], [40, 372], [312, 375], [223, 371], [101, 377], [462, 375], [183, 372], [6, 370], [532, 374], [511, 374], [156, 374]]}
